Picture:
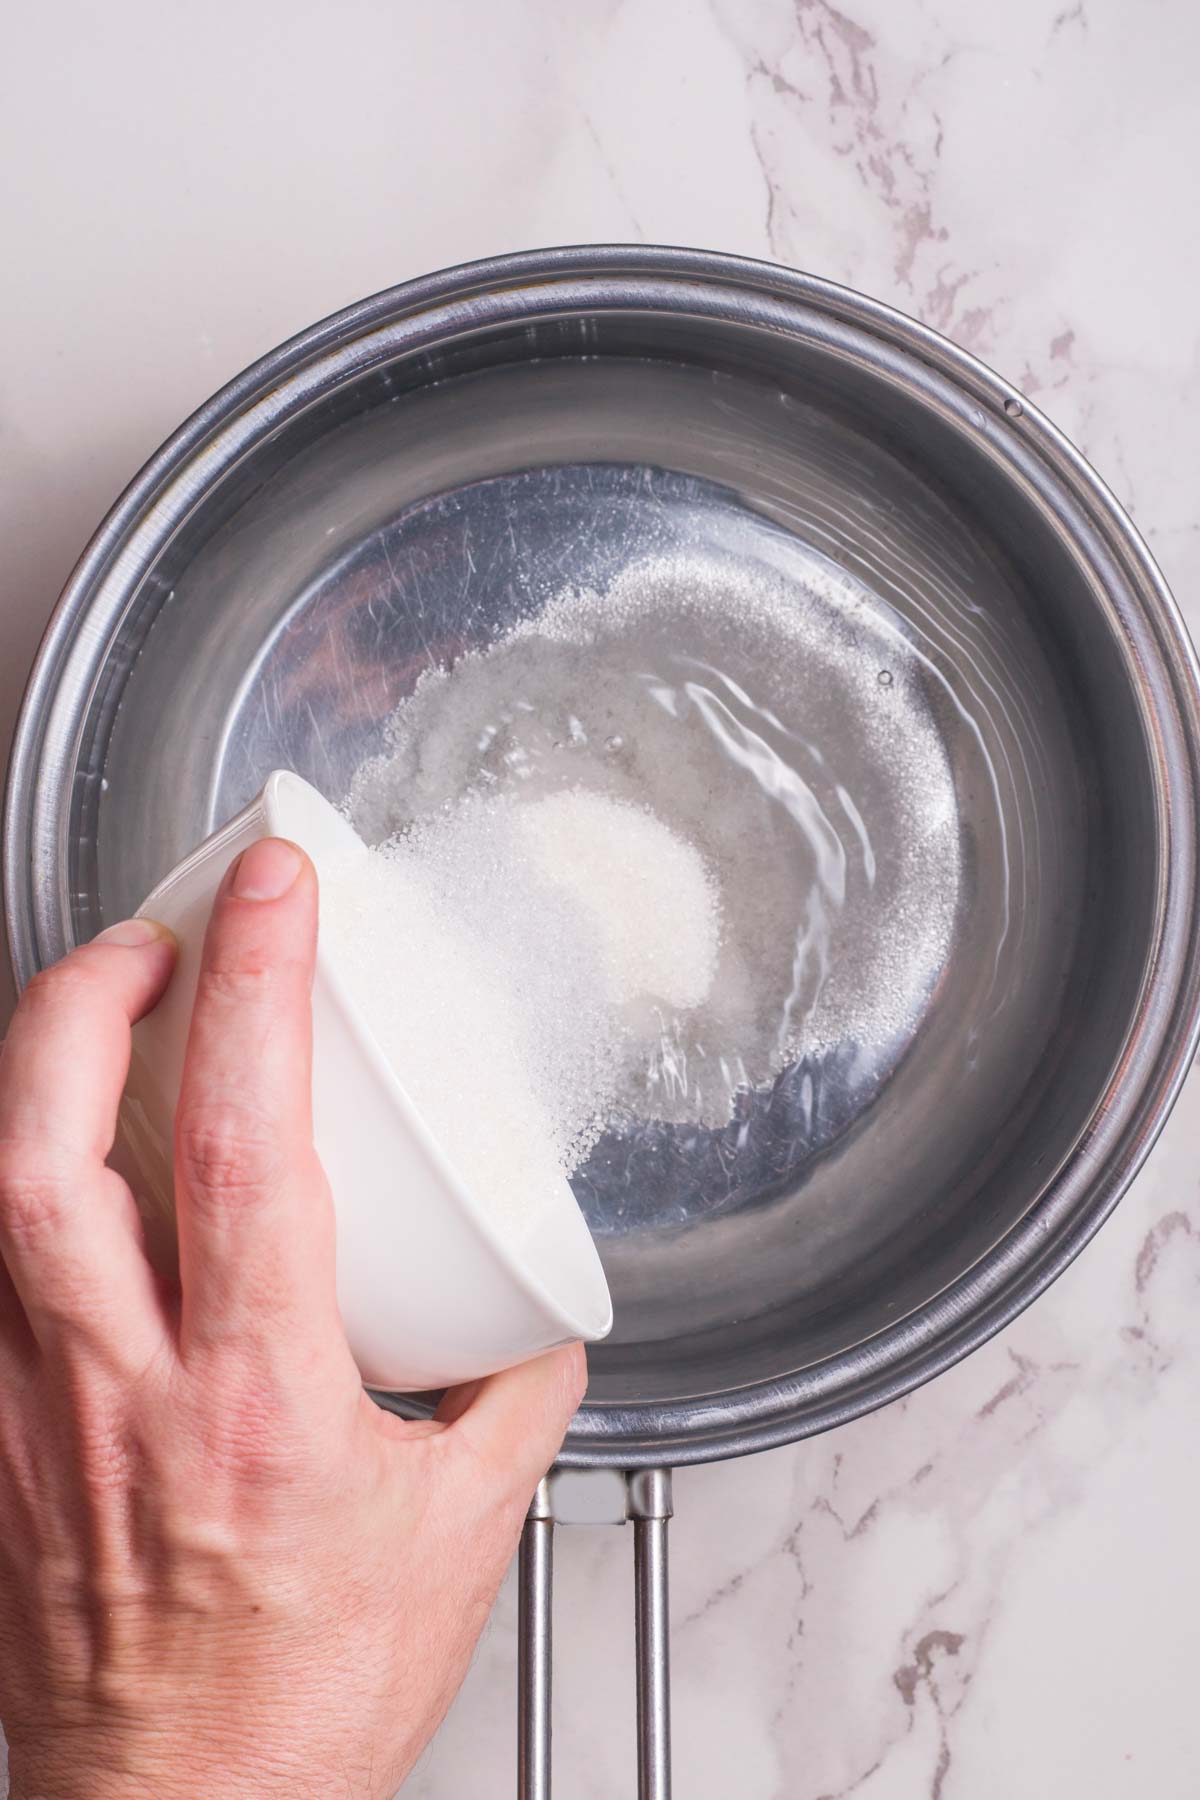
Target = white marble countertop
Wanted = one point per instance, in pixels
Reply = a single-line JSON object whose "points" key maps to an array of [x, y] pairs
{"points": [[988, 1591]]}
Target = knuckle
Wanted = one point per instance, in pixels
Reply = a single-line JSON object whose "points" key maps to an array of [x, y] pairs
{"points": [[60, 988], [242, 978], [228, 1153], [34, 1196], [247, 1436]]}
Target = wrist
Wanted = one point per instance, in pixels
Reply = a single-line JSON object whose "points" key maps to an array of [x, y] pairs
{"points": [[108, 1769], [91, 1774]]}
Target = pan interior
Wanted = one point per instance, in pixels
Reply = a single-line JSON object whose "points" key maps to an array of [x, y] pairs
{"points": [[850, 565]]}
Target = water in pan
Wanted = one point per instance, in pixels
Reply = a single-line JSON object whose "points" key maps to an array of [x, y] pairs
{"points": [[853, 743]]}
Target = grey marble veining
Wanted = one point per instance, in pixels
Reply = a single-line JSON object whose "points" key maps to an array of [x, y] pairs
{"points": [[989, 1590]]}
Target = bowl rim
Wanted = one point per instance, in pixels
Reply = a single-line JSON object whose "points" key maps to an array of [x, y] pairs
{"points": [[1162, 1036]]}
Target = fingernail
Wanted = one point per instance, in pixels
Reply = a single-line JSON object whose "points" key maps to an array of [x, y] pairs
{"points": [[131, 933], [266, 870]]}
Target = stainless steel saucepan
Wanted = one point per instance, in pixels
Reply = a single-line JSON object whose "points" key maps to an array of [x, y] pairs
{"points": [[386, 489]]}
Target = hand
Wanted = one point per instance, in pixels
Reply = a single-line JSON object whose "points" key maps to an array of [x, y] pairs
{"points": [[223, 1570]]}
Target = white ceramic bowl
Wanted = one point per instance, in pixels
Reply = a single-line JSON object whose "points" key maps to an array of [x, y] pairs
{"points": [[433, 1288]]}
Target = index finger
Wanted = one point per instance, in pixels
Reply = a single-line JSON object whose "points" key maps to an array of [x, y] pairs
{"points": [[64, 1062], [68, 1229]]}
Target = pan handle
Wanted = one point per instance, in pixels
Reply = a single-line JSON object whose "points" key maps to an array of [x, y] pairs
{"points": [[648, 1504], [535, 1647], [650, 1509]]}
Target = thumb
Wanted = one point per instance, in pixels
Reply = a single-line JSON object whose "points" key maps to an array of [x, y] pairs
{"points": [[514, 1423]]}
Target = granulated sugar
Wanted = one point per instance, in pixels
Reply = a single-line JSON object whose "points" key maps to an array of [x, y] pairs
{"points": [[443, 1017], [645, 892], [788, 744], [502, 951]]}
